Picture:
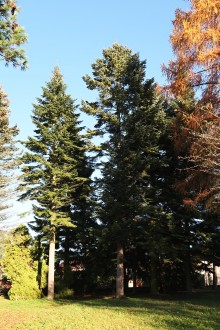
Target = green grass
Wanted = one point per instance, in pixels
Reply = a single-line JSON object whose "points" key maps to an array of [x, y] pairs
{"points": [[197, 311]]}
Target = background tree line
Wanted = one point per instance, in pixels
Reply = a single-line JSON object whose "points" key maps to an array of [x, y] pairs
{"points": [[151, 215]]}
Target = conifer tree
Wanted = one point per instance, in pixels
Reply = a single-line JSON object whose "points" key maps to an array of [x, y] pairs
{"points": [[53, 163], [7, 154], [131, 116], [12, 35], [18, 265]]}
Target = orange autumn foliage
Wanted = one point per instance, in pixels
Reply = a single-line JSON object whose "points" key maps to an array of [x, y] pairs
{"points": [[195, 42], [195, 71]]}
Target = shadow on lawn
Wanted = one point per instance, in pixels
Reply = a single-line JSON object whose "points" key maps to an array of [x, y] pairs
{"points": [[199, 310]]}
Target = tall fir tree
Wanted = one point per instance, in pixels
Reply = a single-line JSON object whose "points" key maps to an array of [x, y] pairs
{"points": [[54, 169], [130, 114]]}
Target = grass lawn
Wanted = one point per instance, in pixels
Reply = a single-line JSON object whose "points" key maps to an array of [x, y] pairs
{"points": [[197, 311]]}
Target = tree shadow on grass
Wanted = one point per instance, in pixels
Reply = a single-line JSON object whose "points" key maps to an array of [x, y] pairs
{"points": [[196, 311]]}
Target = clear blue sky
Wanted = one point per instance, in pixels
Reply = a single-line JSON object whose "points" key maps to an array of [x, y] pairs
{"points": [[72, 34]]}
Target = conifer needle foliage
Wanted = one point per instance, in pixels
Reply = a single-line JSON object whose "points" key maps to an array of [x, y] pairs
{"points": [[7, 154], [54, 160], [12, 35]]}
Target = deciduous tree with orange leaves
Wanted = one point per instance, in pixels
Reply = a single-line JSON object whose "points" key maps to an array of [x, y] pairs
{"points": [[196, 45], [194, 74]]}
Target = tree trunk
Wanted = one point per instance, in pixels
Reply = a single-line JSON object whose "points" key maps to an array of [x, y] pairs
{"points": [[66, 258], [214, 277], [50, 294], [134, 280], [187, 259], [39, 260], [154, 284], [120, 271], [187, 268]]}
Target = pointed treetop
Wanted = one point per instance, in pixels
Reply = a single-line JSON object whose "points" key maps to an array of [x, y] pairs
{"points": [[57, 75], [56, 71]]}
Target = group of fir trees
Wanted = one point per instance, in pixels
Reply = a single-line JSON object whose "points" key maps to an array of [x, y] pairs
{"points": [[57, 168], [146, 214], [132, 218]]}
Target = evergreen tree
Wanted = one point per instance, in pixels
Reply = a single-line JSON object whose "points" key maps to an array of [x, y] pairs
{"points": [[53, 163], [7, 154], [181, 233], [130, 115], [12, 35], [18, 265]]}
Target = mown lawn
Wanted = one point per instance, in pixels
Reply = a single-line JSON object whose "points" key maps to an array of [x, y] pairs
{"points": [[197, 311]]}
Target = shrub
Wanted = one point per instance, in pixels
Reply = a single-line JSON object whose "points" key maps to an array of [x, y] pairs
{"points": [[19, 267]]}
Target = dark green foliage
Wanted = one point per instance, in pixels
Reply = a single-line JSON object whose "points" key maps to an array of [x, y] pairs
{"points": [[56, 154], [56, 171], [132, 116]]}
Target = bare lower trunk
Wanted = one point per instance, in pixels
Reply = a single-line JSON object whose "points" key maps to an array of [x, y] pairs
{"points": [[120, 271], [134, 280], [214, 277], [187, 267], [154, 283], [187, 261], [50, 294], [67, 271], [39, 260]]}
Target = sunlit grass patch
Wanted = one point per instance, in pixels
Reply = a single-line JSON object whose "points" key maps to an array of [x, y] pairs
{"points": [[193, 312]]}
